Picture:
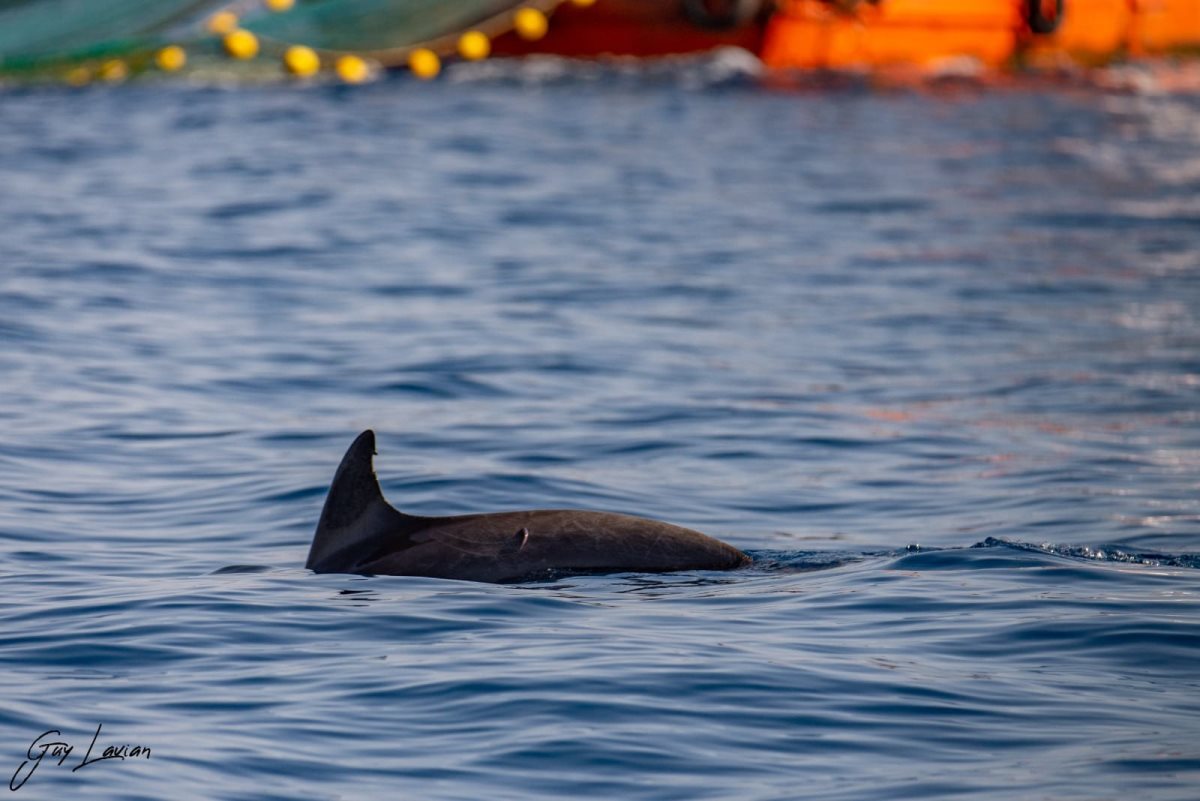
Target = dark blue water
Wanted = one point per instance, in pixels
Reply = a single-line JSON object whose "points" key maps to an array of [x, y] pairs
{"points": [[933, 358]]}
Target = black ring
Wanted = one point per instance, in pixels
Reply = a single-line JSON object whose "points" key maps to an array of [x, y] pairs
{"points": [[1038, 21], [720, 15]]}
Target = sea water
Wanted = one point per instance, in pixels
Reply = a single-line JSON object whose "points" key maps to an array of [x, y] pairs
{"points": [[932, 357]]}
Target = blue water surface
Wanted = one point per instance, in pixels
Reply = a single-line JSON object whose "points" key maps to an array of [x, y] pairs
{"points": [[931, 357]]}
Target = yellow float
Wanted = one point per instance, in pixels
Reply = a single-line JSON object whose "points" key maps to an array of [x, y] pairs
{"points": [[241, 44], [474, 46], [301, 61], [424, 63]]}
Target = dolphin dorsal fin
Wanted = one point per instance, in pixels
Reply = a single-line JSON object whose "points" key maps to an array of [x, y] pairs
{"points": [[356, 514], [355, 486]]}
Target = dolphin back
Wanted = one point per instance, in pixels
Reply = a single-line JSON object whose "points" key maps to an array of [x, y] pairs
{"points": [[360, 532]]}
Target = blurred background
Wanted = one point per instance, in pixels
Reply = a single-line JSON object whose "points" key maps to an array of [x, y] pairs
{"points": [[78, 41]]}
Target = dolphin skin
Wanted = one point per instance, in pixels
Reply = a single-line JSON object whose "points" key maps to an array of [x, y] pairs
{"points": [[360, 532]]}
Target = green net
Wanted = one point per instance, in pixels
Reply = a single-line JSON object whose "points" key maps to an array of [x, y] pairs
{"points": [[370, 25], [37, 34], [34, 31]]}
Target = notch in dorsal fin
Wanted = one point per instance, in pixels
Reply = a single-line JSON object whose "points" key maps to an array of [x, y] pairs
{"points": [[355, 515], [354, 485]]}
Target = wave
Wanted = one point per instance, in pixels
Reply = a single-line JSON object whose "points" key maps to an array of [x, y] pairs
{"points": [[992, 552]]}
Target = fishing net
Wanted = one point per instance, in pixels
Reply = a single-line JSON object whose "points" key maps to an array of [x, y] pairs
{"points": [[38, 33], [33, 31]]}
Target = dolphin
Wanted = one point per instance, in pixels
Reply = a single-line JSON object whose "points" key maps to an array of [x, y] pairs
{"points": [[360, 532]]}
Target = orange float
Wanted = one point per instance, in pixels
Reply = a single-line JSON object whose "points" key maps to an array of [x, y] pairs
{"points": [[811, 34]]}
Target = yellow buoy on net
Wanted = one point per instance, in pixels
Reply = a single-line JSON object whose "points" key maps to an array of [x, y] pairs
{"points": [[78, 76], [171, 58], [352, 69], [241, 44], [301, 61], [424, 63], [530, 24], [222, 22], [474, 45], [113, 70], [279, 5]]}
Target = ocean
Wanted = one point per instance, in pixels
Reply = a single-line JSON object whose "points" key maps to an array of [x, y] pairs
{"points": [[931, 356]]}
